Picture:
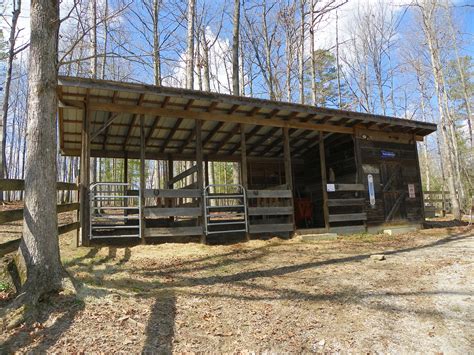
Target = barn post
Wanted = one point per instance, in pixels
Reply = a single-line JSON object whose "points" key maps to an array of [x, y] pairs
{"points": [[199, 180], [125, 178], [85, 177], [322, 158], [243, 165], [288, 172], [420, 183], [142, 179]]}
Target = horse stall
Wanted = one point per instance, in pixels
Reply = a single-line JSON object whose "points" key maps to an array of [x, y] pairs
{"points": [[300, 168]]}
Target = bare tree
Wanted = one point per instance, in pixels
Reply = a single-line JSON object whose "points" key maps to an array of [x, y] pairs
{"points": [[235, 49], [40, 245], [428, 10], [190, 47], [12, 52]]}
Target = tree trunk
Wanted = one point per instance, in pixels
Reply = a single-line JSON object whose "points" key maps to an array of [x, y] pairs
{"points": [[156, 43], [205, 61], [190, 51], [6, 98], [301, 54], [235, 49], [338, 65], [312, 54], [448, 151], [40, 246]]}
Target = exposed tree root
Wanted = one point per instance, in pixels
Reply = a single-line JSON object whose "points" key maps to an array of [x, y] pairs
{"points": [[24, 308]]}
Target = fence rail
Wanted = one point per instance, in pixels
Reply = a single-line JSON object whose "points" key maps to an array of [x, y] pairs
{"points": [[16, 214]]}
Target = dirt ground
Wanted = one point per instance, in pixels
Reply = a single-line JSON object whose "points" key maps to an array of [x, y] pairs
{"points": [[274, 295]]}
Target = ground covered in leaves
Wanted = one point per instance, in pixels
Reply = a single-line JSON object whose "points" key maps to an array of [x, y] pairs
{"points": [[274, 295]]}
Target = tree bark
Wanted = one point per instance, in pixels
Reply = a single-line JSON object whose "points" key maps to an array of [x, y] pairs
{"points": [[235, 49], [313, 54], [6, 98], [301, 54], [448, 142], [40, 246], [190, 51]]}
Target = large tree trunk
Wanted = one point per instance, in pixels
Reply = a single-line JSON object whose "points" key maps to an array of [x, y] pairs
{"points": [[235, 49], [40, 247], [448, 151]]}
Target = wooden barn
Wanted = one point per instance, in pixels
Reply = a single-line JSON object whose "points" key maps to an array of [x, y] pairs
{"points": [[301, 167]]}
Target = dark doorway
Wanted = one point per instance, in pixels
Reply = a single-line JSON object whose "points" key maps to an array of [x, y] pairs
{"points": [[394, 194]]}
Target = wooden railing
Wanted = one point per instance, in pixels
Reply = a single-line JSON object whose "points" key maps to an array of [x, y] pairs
{"points": [[167, 214], [339, 203], [436, 202], [270, 211], [14, 215]]}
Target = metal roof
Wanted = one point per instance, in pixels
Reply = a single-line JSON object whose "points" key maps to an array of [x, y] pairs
{"points": [[170, 114]]}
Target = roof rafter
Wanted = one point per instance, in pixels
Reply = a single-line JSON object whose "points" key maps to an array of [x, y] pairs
{"points": [[132, 122]]}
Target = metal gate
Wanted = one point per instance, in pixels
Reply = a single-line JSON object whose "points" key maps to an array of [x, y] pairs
{"points": [[225, 209], [115, 211]]}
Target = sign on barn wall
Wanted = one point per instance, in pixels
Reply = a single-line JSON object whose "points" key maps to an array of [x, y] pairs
{"points": [[387, 154], [411, 190], [370, 183]]}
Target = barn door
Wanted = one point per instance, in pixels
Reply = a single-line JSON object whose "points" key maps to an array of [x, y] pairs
{"points": [[394, 194]]}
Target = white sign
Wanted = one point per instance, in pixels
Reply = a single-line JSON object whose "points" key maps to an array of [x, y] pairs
{"points": [[411, 190], [370, 181], [331, 188]]}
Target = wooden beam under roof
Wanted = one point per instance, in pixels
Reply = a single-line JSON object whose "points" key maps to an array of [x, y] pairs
{"points": [[175, 126], [211, 116], [259, 142], [132, 122], [156, 121], [114, 97], [218, 126], [249, 135], [227, 137]]}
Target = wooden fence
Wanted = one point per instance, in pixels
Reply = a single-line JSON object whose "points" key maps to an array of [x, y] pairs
{"points": [[13, 215], [436, 203]]}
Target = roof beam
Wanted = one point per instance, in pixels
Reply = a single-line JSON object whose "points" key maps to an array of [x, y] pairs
{"points": [[227, 137], [114, 97], [175, 127], [156, 121], [133, 121], [211, 116], [269, 134], [249, 135]]}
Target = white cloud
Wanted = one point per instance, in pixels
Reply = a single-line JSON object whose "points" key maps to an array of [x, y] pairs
{"points": [[219, 66]]}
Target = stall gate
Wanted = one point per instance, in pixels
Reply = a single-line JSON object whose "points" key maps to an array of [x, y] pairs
{"points": [[225, 209], [115, 211]]}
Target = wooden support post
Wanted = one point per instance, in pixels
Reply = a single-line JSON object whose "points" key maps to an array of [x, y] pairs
{"points": [[85, 178], [243, 165], [287, 158], [322, 158], [199, 179], [125, 178], [420, 183], [288, 169], [243, 156], [206, 172], [142, 178]]}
